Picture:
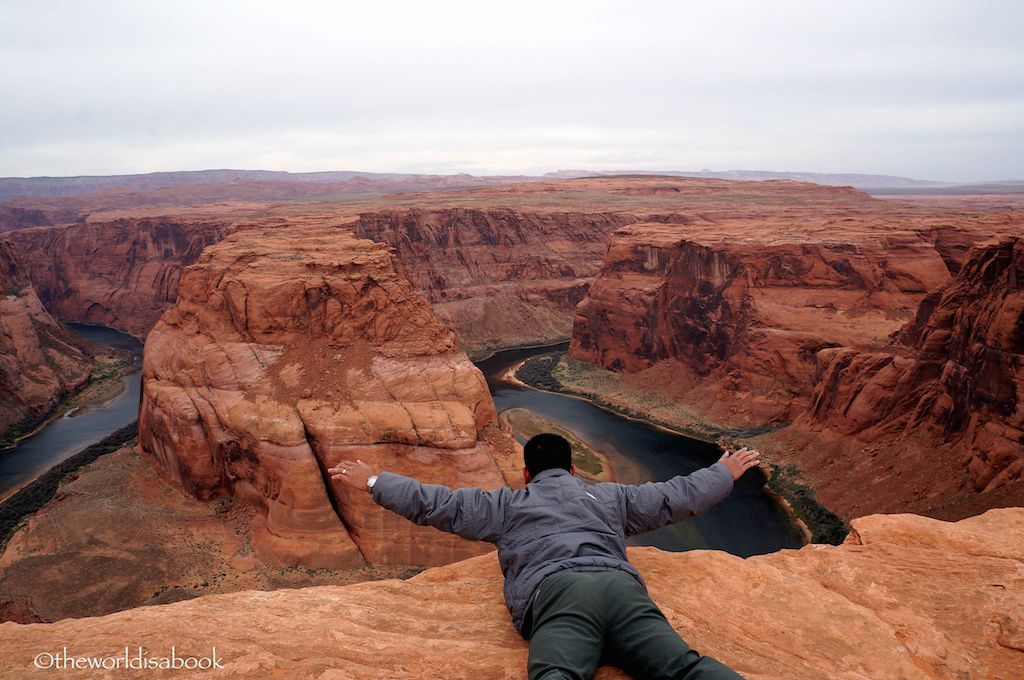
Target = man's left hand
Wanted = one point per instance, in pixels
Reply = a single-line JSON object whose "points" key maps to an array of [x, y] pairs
{"points": [[354, 473]]}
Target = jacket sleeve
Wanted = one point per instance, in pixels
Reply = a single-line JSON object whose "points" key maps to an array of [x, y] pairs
{"points": [[469, 513], [655, 504]]}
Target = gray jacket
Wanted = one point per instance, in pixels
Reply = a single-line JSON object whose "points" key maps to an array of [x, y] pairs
{"points": [[557, 522]]}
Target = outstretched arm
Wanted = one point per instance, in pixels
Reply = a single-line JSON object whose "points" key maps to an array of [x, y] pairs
{"points": [[655, 504], [469, 513]]}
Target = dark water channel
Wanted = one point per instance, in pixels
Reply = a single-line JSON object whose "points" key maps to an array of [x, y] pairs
{"points": [[749, 522], [69, 434]]}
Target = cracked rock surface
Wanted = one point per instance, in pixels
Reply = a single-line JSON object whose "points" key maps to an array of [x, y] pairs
{"points": [[291, 350]]}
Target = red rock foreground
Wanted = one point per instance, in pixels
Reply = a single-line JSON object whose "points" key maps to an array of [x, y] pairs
{"points": [[905, 597]]}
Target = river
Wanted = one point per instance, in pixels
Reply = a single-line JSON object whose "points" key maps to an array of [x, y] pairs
{"points": [[69, 434], [748, 522]]}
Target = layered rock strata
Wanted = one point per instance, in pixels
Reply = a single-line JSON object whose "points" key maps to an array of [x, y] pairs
{"points": [[122, 273], [498, 276], [502, 265], [741, 315], [40, 360], [905, 597], [290, 350], [886, 358], [952, 382]]}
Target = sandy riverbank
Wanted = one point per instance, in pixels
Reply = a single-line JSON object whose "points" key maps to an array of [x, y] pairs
{"points": [[591, 463], [106, 383]]}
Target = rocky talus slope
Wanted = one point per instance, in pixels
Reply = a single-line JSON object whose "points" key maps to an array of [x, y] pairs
{"points": [[289, 350], [40, 360], [905, 598]]}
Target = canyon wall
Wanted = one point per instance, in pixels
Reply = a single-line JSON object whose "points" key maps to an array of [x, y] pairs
{"points": [[950, 385], [904, 597], [289, 350], [40, 360], [498, 276], [739, 319], [882, 357], [121, 274]]}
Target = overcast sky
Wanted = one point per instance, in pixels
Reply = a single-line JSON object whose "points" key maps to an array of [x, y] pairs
{"points": [[927, 89]]}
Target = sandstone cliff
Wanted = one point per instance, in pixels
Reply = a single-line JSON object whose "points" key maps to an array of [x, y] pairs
{"points": [[947, 393], [502, 265], [40, 360], [774, 321], [290, 350], [741, 314], [906, 597], [121, 274], [498, 276]]}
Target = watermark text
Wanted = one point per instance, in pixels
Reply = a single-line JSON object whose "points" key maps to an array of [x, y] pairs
{"points": [[131, 659]]}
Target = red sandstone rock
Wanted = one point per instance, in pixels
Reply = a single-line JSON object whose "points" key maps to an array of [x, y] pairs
{"points": [[40, 360], [740, 308], [117, 536], [749, 322], [290, 350], [502, 265], [794, 269], [52, 201], [122, 274], [951, 385], [498, 276], [905, 597]]}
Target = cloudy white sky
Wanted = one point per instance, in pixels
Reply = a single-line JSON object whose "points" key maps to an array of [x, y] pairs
{"points": [[928, 89]]}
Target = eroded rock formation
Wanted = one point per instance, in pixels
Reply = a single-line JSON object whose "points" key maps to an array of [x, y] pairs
{"points": [[122, 273], [290, 350], [952, 383], [40, 360], [739, 314], [905, 597], [498, 276], [788, 319]]}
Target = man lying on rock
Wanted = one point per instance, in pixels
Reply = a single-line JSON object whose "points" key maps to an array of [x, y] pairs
{"points": [[562, 547]]}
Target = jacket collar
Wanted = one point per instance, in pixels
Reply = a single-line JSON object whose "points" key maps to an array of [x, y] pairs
{"points": [[550, 472]]}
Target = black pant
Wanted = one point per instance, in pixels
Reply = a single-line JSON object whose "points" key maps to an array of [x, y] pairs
{"points": [[580, 618]]}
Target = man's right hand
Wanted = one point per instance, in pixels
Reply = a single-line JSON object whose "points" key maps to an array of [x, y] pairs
{"points": [[740, 461], [355, 473]]}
